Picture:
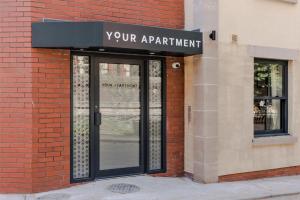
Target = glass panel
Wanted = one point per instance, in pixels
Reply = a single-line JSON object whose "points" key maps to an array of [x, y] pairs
{"points": [[261, 79], [81, 114], [273, 115], [267, 115], [155, 114], [268, 79], [276, 74], [120, 109]]}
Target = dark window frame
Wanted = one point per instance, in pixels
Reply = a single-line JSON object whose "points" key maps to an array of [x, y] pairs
{"points": [[283, 100]]}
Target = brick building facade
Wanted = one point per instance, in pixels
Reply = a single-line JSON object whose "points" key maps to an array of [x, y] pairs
{"points": [[207, 119], [35, 89]]}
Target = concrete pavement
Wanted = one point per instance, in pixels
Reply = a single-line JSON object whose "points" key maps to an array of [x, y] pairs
{"points": [[285, 197], [160, 188]]}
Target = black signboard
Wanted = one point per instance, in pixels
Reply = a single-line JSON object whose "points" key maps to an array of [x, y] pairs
{"points": [[116, 37]]}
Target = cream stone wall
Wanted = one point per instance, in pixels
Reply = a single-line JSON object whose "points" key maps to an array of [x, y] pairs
{"points": [[188, 103], [272, 23], [263, 28], [262, 23], [237, 151]]}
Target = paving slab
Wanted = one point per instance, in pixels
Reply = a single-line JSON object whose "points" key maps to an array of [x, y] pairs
{"points": [[12, 197], [167, 188]]}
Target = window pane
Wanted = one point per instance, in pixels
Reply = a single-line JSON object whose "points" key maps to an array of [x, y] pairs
{"points": [[268, 79], [259, 111], [273, 115], [261, 79], [267, 115], [121, 110], [276, 80]]}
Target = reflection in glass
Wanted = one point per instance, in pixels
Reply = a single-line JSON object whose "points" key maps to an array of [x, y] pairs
{"points": [[120, 109], [267, 115], [268, 79], [81, 114], [270, 99]]}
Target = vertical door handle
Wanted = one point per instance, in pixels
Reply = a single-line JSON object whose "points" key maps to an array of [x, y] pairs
{"points": [[98, 118]]}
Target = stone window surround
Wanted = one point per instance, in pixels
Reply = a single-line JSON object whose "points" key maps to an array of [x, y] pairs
{"points": [[280, 54], [276, 140], [290, 1]]}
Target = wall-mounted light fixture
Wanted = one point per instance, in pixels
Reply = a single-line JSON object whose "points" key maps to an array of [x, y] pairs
{"points": [[213, 35]]}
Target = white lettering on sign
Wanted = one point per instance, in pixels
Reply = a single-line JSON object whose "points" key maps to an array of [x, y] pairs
{"points": [[125, 37], [186, 43], [151, 39], [118, 36], [132, 38], [178, 42], [198, 43], [109, 35], [157, 41], [192, 43], [144, 39], [165, 41], [172, 40]]}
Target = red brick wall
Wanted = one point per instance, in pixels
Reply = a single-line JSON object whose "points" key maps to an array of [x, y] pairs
{"points": [[287, 171], [163, 13], [34, 89], [51, 120], [175, 118], [15, 97]]}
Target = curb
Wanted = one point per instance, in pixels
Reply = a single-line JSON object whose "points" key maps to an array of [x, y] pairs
{"points": [[273, 196]]}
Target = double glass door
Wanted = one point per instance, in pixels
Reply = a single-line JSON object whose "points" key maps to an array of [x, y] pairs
{"points": [[119, 116]]}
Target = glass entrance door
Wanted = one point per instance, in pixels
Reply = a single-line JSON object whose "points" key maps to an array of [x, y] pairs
{"points": [[118, 116]]}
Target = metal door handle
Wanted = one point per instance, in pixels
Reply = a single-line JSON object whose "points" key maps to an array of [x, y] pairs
{"points": [[98, 118]]}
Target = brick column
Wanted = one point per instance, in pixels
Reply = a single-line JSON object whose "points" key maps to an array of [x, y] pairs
{"points": [[51, 119], [175, 118]]}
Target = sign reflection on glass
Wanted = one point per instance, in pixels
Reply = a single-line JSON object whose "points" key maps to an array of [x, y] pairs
{"points": [[120, 85]]}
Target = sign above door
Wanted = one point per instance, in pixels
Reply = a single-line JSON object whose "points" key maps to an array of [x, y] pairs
{"points": [[116, 37]]}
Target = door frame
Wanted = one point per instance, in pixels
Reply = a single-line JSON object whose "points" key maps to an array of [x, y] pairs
{"points": [[93, 160]]}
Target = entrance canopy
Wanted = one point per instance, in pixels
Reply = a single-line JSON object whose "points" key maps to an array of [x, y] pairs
{"points": [[116, 37]]}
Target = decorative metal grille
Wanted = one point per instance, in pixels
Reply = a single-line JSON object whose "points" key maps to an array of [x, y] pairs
{"points": [[155, 118], [123, 188], [81, 127]]}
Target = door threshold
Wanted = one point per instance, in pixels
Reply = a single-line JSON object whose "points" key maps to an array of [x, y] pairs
{"points": [[119, 176]]}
